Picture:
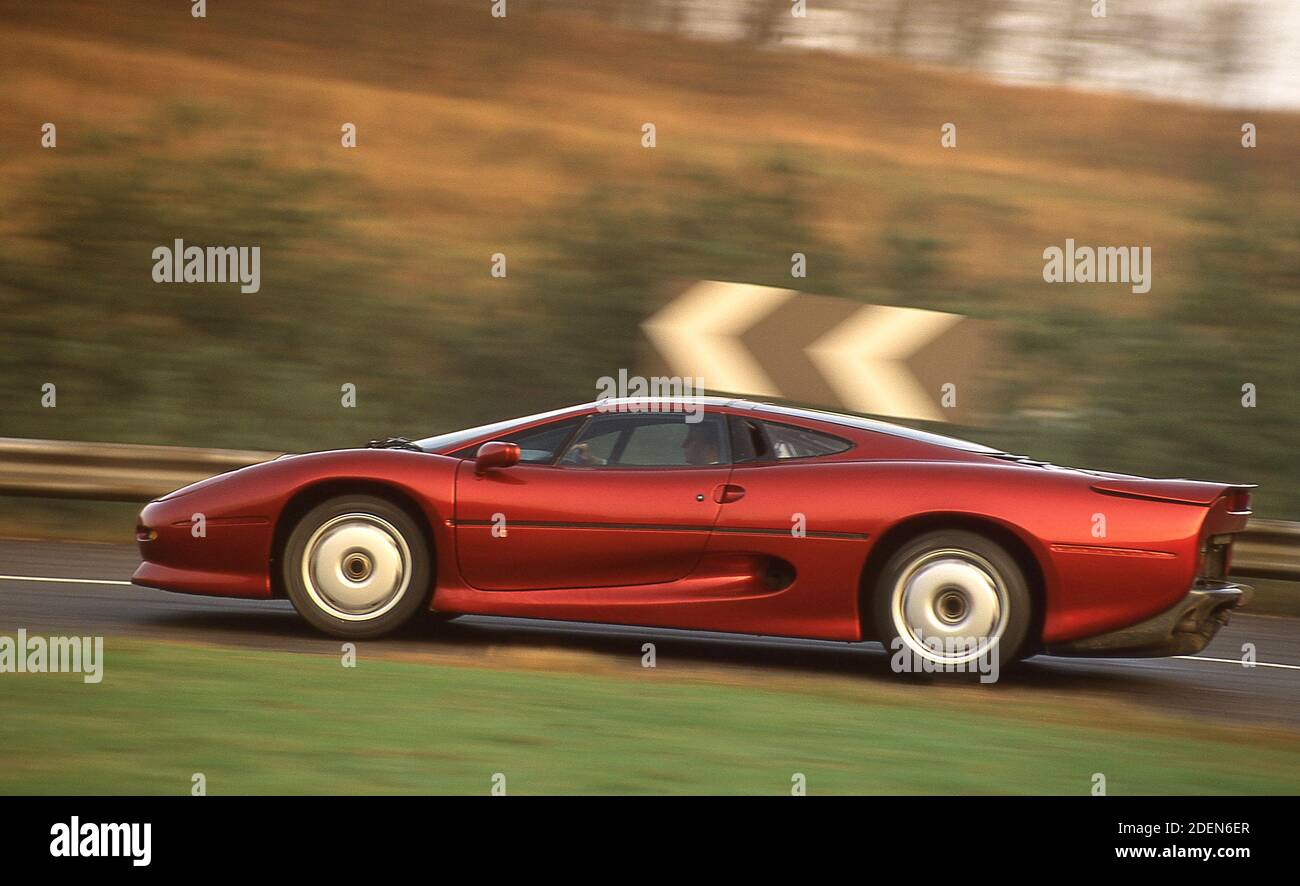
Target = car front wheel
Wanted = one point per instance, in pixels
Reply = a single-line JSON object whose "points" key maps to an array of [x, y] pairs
{"points": [[357, 566]]}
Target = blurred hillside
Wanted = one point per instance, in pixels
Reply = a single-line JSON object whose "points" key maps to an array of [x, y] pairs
{"points": [[523, 136]]}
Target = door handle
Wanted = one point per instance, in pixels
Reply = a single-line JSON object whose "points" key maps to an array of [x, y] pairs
{"points": [[726, 493]]}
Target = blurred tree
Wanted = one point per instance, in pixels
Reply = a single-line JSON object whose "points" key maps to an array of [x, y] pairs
{"points": [[767, 18], [975, 25], [1067, 47], [1227, 45], [201, 363], [1168, 400], [614, 254], [900, 25]]}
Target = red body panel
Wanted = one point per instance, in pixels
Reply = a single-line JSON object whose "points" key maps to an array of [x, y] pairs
{"points": [[714, 548], [650, 525], [241, 510]]}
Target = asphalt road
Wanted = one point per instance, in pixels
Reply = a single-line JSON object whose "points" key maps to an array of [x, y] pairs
{"points": [[92, 599]]}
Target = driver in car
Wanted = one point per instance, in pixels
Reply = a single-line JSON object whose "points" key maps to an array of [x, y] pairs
{"points": [[701, 445]]}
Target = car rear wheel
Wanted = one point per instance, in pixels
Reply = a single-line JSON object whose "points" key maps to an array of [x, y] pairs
{"points": [[357, 566], [950, 601]]}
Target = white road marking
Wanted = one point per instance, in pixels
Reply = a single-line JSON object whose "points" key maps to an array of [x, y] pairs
{"points": [[1235, 661], [72, 581]]}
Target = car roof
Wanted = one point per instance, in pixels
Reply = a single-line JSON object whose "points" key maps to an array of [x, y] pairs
{"points": [[693, 401], [855, 422], [768, 411]]}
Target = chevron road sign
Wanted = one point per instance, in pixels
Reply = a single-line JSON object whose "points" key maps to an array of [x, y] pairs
{"points": [[759, 341]]}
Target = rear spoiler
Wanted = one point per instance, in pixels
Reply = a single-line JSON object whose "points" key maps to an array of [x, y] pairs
{"points": [[1183, 492]]}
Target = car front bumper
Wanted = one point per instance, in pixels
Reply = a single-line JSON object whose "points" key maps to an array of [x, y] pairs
{"points": [[1184, 629]]}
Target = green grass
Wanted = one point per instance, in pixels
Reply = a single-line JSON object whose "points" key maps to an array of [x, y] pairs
{"points": [[259, 723]]}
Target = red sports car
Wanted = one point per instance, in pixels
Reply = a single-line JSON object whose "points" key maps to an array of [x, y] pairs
{"points": [[721, 515]]}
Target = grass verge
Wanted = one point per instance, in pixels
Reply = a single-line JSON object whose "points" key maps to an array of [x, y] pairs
{"points": [[263, 723]]}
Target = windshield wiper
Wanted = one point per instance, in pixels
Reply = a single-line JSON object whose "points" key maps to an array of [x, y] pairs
{"points": [[1021, 459], [393, 443]]}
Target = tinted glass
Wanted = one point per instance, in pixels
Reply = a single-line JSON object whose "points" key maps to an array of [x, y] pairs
{"points": [[881, 427], [747, 440], [542, 445], [595, 447], [789, 441], [536, 445], [446, 442], [648, 441]]}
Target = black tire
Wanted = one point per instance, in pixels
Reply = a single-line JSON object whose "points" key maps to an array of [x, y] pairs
{"points": [[366, 538], [908, 593]]}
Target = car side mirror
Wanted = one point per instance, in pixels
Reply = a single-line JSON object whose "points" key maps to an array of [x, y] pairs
{"points": [[495, 455]]}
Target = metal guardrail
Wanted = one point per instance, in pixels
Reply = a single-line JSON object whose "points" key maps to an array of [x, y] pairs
{"points": [[1267, 549], [131, 472], [109, 471]]}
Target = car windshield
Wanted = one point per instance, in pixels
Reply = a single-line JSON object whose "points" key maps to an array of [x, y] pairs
{"points": [[454, 439]]}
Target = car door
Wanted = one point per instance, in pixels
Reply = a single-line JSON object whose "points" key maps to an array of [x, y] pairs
{"points": [[771, 490], [630, 500]]}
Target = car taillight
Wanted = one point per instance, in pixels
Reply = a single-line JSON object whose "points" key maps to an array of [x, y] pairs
{"points": [[1239, 502]]}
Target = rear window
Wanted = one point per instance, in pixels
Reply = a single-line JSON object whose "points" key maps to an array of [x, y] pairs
{"points": [[789, 441], [880, 427]]}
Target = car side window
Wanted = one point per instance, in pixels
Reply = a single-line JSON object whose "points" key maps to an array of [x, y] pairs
{"points": [[748, 442], [639, 440], [594, 447], [789, 441], [536, 445]]}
